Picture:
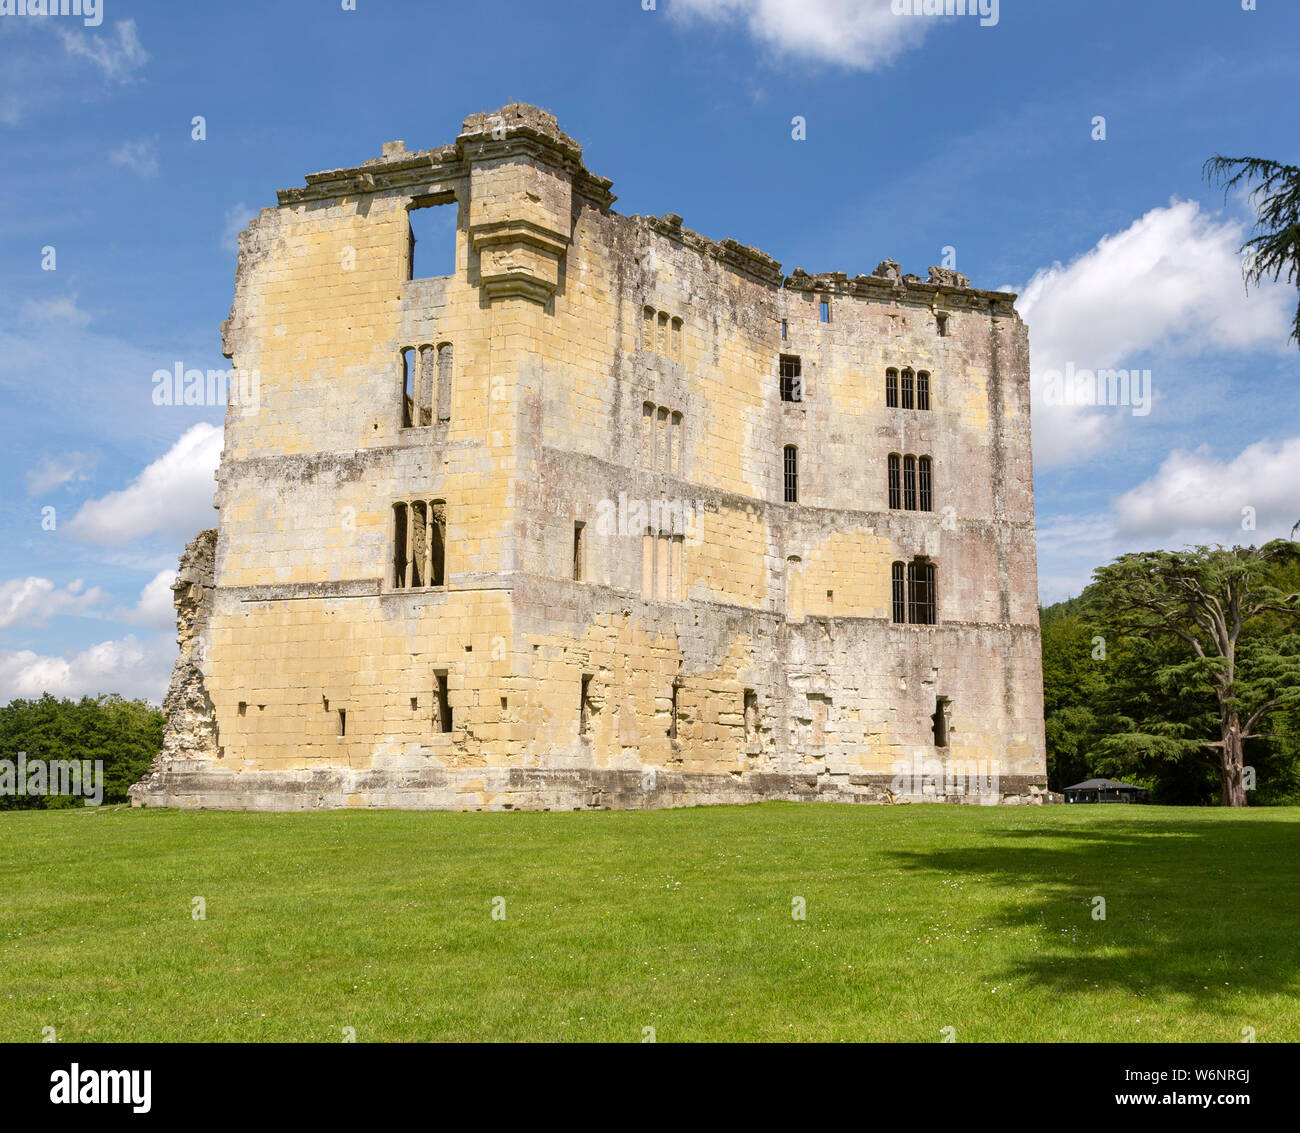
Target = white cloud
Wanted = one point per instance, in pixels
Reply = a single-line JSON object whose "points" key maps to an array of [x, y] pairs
{"points": [[156, 608], [56, 309], [141, 157], [125, 666], [172, 496], [1195, 497], [56, 472], [118, 57], [35, 600], [862, 34], [1169, 285]]}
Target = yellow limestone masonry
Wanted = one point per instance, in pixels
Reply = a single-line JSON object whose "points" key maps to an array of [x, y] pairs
{"points": [[610, 516]]}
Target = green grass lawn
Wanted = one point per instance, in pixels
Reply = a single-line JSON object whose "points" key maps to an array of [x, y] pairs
{"points": [[917, 918]]}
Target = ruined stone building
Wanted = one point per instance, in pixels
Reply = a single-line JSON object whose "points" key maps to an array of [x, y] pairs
{"points": [[600, 512]]}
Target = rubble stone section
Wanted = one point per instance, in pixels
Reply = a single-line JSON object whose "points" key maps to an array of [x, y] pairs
{"points": [[628, 612]]}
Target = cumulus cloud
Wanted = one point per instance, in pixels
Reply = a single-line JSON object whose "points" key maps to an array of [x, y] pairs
{"points": [[862, 34], [1170, 286], [124, 666], [1200, 498], [58, 471], [155, 608], [172, 496], [34, 601], [141, 157], [118, 54]]}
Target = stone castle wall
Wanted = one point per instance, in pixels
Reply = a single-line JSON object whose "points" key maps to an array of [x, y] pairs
{"points": [[622, 373]]}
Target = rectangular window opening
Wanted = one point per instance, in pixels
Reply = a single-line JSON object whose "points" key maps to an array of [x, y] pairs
{"points": [[579, 532], [940, 719], [343, 721], [672, 722], [791, 474], [584, 705], [442, 718], [891, 389], [432, 244], [399, 545], [826, 310], [751, 715], [923, 390], [408, 388], [791, 378]]}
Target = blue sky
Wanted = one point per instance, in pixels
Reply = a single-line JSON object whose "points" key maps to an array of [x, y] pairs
{"points": [[922, 133]]}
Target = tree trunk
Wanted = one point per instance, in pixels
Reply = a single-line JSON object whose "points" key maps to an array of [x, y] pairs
{"points": [[1233, 792]]}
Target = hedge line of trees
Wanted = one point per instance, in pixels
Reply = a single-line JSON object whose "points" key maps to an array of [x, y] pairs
{"points": [[125, 734], [1135, 688]]}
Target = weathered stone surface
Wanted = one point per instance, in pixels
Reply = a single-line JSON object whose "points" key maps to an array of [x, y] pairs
{"points": [[623, 374]]}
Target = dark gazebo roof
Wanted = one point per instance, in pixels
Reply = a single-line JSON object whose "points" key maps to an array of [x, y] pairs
{"points": [[1104, 785]]}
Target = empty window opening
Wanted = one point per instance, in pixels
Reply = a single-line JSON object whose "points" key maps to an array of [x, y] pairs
{"points": [[579, 549], [921, 592], [432, 248], [923, 390], [908, 378], [899, 593], [826, 310], [751, 715], [415, 704], [891, 389], [444, 381], [940, 719], [399, 545], [672, 720], [923, 477], [437, 543], [791, 378], [909, 483], [243, 708], [408, 388], [941, 321], [785, 330], [584, 705], [895, 480], [442, 717], [343, 721], [791, 474]]}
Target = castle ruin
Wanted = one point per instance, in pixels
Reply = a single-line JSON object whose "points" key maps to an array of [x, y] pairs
{"points": [[602, 514]]}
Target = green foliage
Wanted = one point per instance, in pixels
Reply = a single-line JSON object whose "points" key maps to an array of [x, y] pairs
{"points": [[1148, 711], [124, 734], [1274, 251]]}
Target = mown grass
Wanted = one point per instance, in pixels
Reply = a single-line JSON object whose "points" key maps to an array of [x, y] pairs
{"points": [[918, 918]]}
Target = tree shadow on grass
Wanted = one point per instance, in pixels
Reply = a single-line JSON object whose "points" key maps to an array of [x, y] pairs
{"points": [[1208, 908]]}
